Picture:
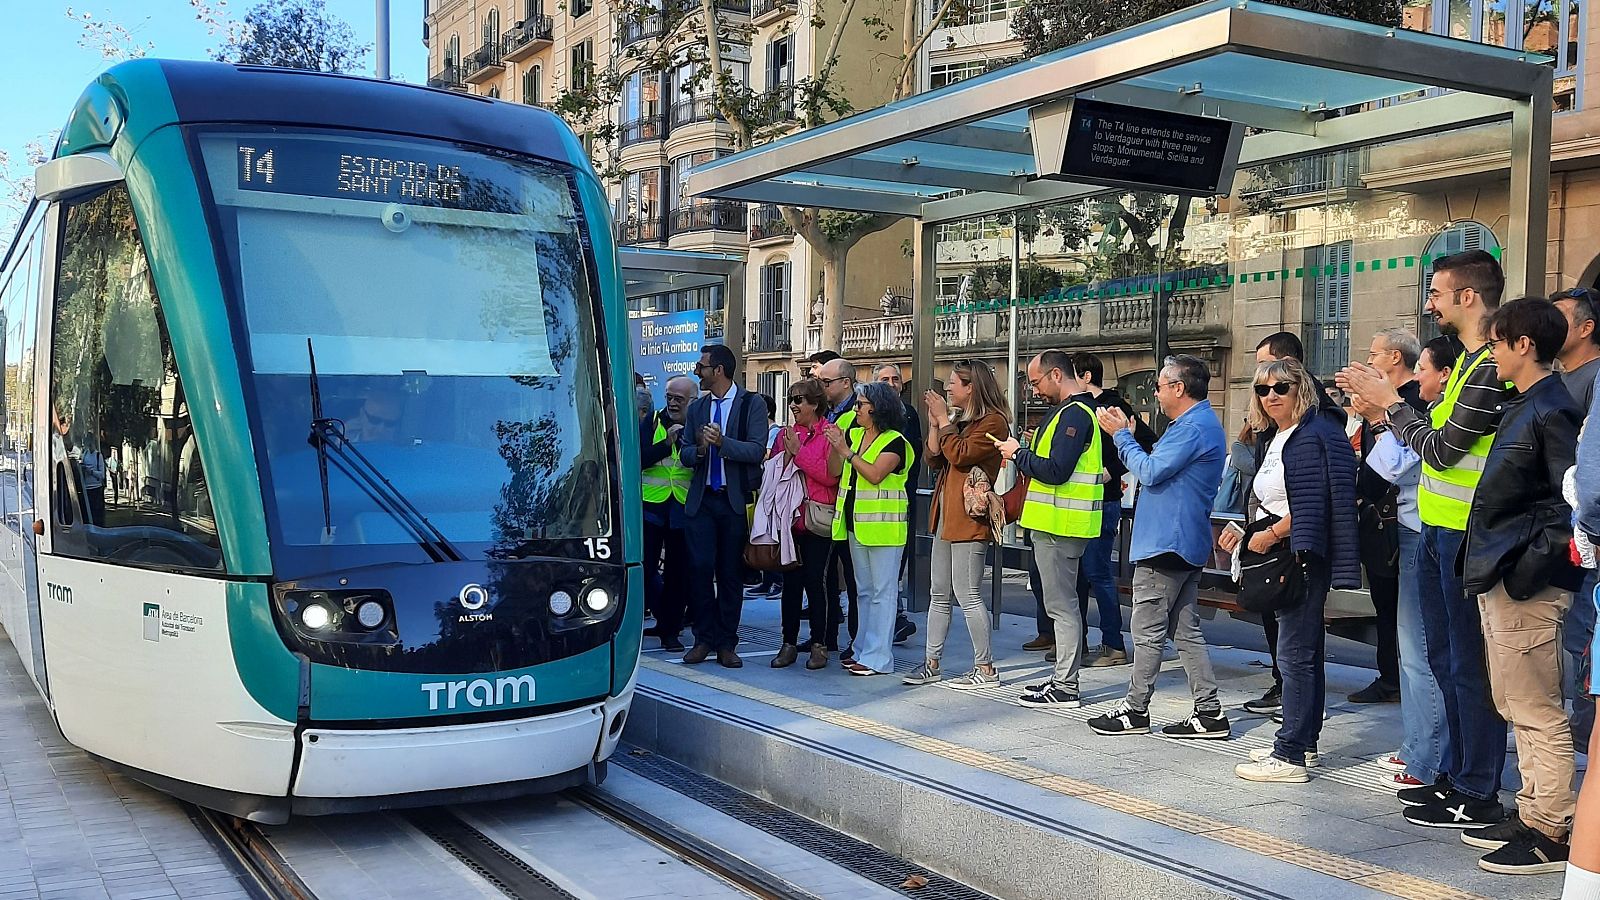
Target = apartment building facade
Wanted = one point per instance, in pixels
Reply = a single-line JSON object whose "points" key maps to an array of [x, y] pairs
{"points": [[530, 51]]}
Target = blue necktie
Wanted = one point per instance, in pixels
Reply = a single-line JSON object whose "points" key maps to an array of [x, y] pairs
{"points": [[713, 458]]}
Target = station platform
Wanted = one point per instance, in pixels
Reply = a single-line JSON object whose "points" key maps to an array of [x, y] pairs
{"points": [[71, 829], [1030, 803]]}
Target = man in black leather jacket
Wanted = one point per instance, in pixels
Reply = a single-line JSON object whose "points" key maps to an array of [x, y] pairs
{"points": [[1515, 562]]}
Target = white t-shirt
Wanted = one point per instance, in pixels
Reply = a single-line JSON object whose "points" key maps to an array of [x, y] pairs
{"points": [[1269, 486]]}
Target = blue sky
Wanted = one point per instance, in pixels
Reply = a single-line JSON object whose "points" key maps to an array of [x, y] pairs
{"points": [[44, 69]]}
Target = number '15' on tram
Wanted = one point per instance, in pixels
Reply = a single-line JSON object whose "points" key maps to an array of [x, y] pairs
{"points": [[310, 445]]}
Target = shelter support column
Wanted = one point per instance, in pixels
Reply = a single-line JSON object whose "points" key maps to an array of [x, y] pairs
{"points": [[734, 326], [924, 239], [1529, 232]]}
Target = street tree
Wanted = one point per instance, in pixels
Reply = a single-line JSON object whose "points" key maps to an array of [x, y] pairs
{"points": [[692, 38], [296, 34]]}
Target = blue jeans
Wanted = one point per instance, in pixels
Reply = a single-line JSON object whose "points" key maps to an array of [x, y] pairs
{"points": [[1577, 632], [1302, 637], [1421, 702], [1475, 735], [1095, 573]]}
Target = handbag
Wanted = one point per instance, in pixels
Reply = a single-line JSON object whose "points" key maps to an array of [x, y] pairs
{"points": [[818, 518], [1271, 581], [1379, 532], [768, 558], [1014, 498]]}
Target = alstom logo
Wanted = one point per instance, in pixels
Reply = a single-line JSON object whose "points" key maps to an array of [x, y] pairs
{"points": [[479, 692]]}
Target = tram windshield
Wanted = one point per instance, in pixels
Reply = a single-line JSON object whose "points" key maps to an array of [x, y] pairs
{"points": [[444, 295]]}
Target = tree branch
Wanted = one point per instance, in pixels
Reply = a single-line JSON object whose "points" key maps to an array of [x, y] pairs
{"points": [[902, 84]]}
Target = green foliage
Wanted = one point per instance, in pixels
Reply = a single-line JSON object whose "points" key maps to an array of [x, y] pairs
{"points": [[1045, 25], [297, 34]]}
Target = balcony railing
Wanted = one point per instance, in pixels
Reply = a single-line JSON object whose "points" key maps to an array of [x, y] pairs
{"points": [[779, 101], [715, 215], [1340, 170], [648, 128], [760, 9], [633, 29], [642, 231], [448, 78], [483, 62], [767, 223], [770, 336], [1071, 323], [526, 37], [689, 110]]}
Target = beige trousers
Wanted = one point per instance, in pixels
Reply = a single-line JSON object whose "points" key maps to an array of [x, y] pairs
{"points": [[1523, 641]]}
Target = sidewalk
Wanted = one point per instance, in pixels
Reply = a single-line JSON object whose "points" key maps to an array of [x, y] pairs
{"points": [[1344, 823]]}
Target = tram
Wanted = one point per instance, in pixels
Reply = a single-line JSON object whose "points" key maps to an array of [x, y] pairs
{"points": [[310, 462]]}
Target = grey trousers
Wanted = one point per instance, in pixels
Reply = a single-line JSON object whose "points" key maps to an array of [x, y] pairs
{"points": [[1058, 558], [1164, 607], [958, 569]]}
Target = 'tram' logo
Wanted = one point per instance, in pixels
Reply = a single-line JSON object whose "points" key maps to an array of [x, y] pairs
{"points": [[480, 692]]}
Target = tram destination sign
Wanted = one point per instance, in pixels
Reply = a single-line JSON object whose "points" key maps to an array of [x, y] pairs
{"points": [[1094, 142], [357, 171]]}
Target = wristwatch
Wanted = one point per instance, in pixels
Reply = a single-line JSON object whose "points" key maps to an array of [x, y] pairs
{"points": [[1395, 407]]}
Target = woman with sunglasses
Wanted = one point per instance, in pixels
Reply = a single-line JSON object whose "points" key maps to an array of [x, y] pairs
{"points": [[804, 443], [1303, 495], [958, 441], [873, 515]]}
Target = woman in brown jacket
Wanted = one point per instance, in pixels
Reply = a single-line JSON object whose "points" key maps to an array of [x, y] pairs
{"points": [[958, 442]]}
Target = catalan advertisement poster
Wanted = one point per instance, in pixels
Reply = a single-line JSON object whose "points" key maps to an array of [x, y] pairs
{"points": [[667, 345]]}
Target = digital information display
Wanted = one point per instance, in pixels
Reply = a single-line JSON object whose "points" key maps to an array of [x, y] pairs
{"points": [[347, 169], [1123, 145]]}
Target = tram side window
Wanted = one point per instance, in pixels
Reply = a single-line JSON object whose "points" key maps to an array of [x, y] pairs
{"points": [[126, 480]]}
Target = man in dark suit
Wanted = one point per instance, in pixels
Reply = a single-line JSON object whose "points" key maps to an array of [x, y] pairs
{"points": [[724, 442]]}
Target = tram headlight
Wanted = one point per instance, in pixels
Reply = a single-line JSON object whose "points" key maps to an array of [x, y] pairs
{"points": [[560, 603], [315, 616], [597, 600], [370, 614]]}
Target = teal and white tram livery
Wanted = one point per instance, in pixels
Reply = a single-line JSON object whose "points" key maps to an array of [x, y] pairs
{"points": [[311, 449]]}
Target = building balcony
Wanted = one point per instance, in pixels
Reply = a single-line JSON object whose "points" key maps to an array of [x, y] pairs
{"points": [[1308, 179], [631, 30], [526, 38], [767, 225], [715, 215], [650, 230], [448, 78], [765, 12], [690, 110], [484, 63], [1105, 322], [770, 336], [638, 131]]}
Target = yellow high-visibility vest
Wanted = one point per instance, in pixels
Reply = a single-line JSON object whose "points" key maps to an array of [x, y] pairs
{"points": [[1444, 496], [1072, 509], [668, 478], [882, 511]]}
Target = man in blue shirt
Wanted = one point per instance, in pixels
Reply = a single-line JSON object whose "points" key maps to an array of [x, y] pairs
{"points": [[1171, 542]]}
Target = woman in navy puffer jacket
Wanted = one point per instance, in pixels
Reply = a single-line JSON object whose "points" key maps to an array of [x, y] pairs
{"points": [[1306, 482]]}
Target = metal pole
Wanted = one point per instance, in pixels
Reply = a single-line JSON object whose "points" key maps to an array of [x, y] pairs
{"points": [[382, 42], [1524, 258], [924, 276], [1011, 340]]}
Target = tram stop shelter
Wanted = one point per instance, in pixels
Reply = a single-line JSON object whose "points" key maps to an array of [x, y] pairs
{"points": [[1300, 83], [648, 271]]}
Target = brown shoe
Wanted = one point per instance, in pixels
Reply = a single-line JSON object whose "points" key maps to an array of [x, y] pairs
{"points": [[819, 657], [729, 659], [1108, 658], [787, 654], [1049, 655], [1042, 642], [697, 654]]}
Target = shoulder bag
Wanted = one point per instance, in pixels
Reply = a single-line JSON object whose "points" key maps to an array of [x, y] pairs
{"points": [[1269, 581]]}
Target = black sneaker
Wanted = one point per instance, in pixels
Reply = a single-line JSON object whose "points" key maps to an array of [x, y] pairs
{"points": [[1457, 811], [1268, 703], [1121, 719], [1376, 692], [1053, 695], [1495, 836], [1531, 853], [1203, 726], [1426, 794], [1036, 688], [904, 628]]}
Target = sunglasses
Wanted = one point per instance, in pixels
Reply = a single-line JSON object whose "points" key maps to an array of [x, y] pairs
{"points": [[796, 401], [1281, 388]]}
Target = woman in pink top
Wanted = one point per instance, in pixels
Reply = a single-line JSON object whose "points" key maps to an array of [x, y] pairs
{"points": [[803, 442]]}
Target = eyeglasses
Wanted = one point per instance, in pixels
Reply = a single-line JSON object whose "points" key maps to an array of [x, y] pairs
{"points": [[1579, 293], [796, 401], [828, 381], [1492, 341], [1281, 388], [1161, 383], [1435, 293]]}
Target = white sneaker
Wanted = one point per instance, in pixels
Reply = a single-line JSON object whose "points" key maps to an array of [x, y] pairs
{"points": [[1393, 762], [1272, 769], [1261, 753]]}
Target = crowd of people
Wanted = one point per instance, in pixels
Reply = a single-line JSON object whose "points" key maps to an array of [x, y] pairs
{"points": [[1451, 482]]}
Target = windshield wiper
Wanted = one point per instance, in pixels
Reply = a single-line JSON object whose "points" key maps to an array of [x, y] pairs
{"points": [[327, 435]]}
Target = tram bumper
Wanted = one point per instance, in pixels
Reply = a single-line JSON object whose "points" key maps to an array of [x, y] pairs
{"points": [[341, 763]]}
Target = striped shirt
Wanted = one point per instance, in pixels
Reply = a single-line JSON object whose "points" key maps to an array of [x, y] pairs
{"points": [[1476, 413]]}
